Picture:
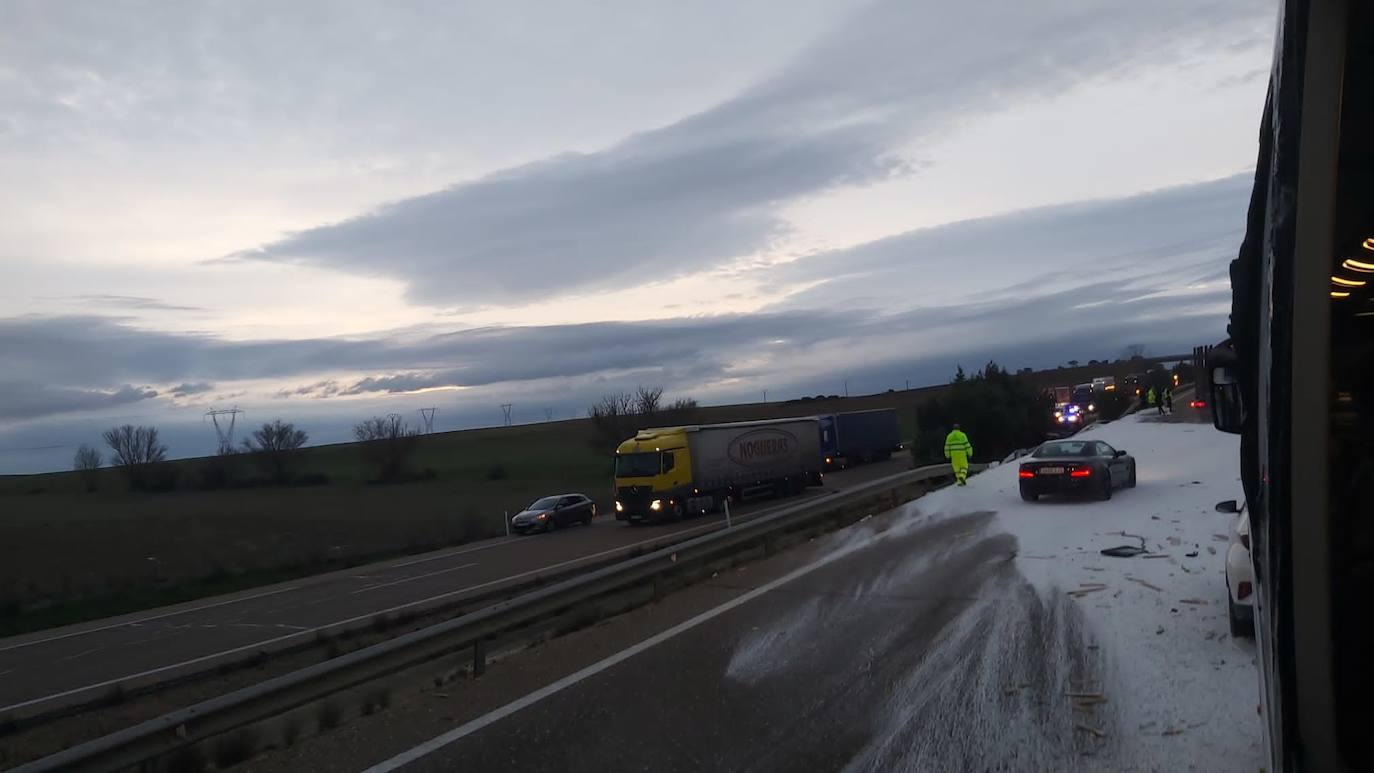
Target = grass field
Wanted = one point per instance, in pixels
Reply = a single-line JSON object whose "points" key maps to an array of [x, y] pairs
{"points": [[66, 554], [65, 545]]}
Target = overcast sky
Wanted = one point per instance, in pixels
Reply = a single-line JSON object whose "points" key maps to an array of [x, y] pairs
{"points": [[326, 210]]}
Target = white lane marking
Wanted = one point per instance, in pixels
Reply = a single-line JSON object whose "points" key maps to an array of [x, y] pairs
{"points": [[357, 618], [412, 579], [79, 654], [148, 619], [438, 742], [465, 551]]}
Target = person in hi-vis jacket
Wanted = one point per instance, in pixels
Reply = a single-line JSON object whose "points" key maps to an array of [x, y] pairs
{"points": [[957, 451]]}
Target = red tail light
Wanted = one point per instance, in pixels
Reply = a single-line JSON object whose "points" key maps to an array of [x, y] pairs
{"points": [[1026, 473], [1197, 404], [1244, 590], [1082, 472]]}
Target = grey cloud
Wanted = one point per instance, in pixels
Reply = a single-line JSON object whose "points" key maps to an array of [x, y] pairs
{"points": [[28, 399], [1240, 79], [133, 302], [93, 350], [1175, 236], [318, 389], [586, 221], [708, 188], [190, 388]]}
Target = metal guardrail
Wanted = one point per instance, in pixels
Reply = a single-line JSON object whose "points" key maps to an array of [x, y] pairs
{"points": [[243, 707]]}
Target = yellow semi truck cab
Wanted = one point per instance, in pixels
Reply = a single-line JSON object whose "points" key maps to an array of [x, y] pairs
{"points": [[653, 474]]}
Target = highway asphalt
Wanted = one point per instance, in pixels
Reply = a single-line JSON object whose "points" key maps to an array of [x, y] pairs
{"points": [[899, 644], [800, 677], [80, 660]]}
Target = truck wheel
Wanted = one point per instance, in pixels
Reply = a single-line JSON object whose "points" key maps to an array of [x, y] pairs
{"points": [[1242, 619]]}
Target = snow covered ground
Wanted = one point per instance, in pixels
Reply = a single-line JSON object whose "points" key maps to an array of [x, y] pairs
{"points": [[1182, 693]]}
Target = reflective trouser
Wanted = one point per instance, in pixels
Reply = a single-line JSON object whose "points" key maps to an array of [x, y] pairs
{"points": [[960, 463]]}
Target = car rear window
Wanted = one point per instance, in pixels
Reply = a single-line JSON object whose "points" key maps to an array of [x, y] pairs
{"points": [[1060, 450]]}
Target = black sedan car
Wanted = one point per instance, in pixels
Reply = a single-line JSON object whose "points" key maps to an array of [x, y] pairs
{"points": [[1076, 466], [552, 512]]}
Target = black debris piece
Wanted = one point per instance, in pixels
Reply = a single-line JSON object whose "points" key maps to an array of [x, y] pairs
{"points": [[1123, 551]]}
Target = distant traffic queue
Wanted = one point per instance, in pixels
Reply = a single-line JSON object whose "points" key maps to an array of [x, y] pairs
{"points": [[676, 471]]}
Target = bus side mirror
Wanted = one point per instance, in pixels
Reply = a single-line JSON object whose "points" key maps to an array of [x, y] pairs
{"points": [[1228, 409]]}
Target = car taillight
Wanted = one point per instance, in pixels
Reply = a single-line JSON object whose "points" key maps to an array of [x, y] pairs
{"points": [[1197, 404], [1026, 473], [1244, 590], [1081, 472]]}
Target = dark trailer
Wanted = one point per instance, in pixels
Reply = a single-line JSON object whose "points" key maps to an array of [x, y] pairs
{"points": [[859, 437]]}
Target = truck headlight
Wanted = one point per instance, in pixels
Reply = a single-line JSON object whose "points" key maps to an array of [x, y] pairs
{"points": [[619, 508], [656, 504]]}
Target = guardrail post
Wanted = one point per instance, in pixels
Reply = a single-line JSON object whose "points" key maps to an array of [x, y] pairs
{"points": [[479, 658], [505, 516], [727, 511]]}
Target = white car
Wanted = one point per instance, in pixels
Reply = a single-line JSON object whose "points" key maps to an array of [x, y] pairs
{"points": [[1240, 574]]}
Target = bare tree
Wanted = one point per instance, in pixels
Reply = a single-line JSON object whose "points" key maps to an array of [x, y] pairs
{"points": [[680, 411], [273, 446], [87, 462], [619, 415], [609, 416], [1133, 351], [388, 443], [611, 406], [135, 450], [647, 400]]}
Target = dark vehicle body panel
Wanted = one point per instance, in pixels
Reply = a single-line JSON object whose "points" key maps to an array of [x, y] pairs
{"points": [[859, 437]]}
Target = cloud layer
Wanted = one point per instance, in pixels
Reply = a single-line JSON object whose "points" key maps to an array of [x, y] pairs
{"points": [[709, 188], [1083, 278]]}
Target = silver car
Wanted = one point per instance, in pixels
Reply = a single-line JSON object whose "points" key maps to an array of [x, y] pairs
{"points": [[550, 513]]}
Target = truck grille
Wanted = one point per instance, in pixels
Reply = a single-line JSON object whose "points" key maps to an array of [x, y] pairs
{"points": [[635, 498]]}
